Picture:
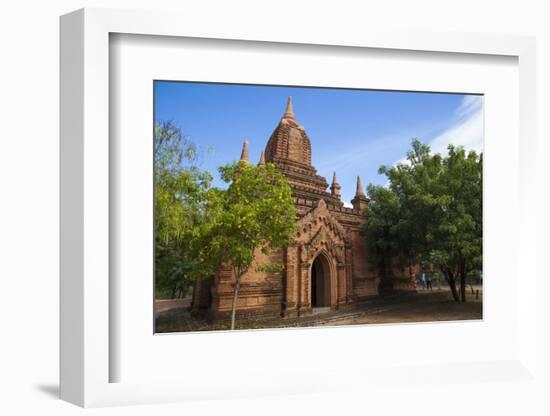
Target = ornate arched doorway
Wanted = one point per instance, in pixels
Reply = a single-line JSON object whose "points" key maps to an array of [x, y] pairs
{"points": [[320, 282]]}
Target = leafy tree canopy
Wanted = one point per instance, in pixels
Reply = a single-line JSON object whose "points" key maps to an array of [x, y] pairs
{"points": [[256, 212], [430, 212], [199, 228], [181, 194]]}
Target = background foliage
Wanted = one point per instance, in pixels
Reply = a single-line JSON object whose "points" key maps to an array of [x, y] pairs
{"points": [[199, 228], [181, 195], [430, 213]]}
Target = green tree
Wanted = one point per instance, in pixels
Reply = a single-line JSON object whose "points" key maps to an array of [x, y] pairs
{"points": [[256, 212], [181, 195], [384, 213], [171, 148], [396, 228], [454, 234], [429, 213]]}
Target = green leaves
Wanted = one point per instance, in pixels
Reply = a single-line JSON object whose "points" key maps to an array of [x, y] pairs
{"points": [[431, 212], [255, 212], [182, 193], [270, 268], [171, 147], [198, 228]]}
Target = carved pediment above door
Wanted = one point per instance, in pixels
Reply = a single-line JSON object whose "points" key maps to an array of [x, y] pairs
{"points": [[319, 223]]}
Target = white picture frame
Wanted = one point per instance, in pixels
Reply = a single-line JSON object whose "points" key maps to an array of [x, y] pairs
{"points": [[85, 353]]}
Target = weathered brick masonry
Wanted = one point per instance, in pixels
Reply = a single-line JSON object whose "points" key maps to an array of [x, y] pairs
{"points": [[326, 266]]}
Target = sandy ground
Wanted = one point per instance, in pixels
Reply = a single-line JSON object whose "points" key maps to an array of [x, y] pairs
{"points": [[424, 306]]}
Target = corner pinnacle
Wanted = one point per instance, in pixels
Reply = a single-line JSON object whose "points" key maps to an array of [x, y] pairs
{"points": [[244, 152]]}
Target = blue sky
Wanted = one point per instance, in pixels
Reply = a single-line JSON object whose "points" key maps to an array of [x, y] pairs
{"points": [[352, 132]]}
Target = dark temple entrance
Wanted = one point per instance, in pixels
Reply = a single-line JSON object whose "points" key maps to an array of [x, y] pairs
{"points": [[320, 282]]}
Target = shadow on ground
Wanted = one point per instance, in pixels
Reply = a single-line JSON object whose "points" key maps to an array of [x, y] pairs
{"points": [[423, 306], [51, 390]]}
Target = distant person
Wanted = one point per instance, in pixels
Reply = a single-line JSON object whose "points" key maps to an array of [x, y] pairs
{"points": [[429, 283]]}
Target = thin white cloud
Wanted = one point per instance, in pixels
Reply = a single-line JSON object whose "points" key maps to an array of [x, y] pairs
{"points": [[470, 104], [466, 129]]}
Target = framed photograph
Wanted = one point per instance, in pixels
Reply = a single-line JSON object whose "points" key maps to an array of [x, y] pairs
{"points": [[271, 243], [290, 212]]}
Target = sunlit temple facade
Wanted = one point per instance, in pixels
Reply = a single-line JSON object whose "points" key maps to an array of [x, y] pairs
{"points": [[326, 266]]}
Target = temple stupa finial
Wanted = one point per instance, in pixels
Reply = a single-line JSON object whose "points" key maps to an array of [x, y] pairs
{"points": [[335, 187], [359, 191], [289, 112], [360, 200], [244, 153]]}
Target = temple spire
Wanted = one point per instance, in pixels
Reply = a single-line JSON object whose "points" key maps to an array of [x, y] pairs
{"points": [[262, 159], [244, 153], [289, 112], [360, 200], [359, 191], [335, 187]]}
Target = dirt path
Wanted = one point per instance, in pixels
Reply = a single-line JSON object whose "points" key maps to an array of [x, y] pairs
{"points": [[425, 306]]}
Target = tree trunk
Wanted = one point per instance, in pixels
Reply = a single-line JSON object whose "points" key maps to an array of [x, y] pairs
{"points": [[411, 277], [463, 286], [234, 303], [454, 291], [463, 281], [452, 285]]}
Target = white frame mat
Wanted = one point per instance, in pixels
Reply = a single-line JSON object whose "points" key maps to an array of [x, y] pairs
{"points": [[85, 354]]}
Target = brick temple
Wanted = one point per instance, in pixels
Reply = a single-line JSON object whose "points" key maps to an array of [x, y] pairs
{"points": [[325, 267]]}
